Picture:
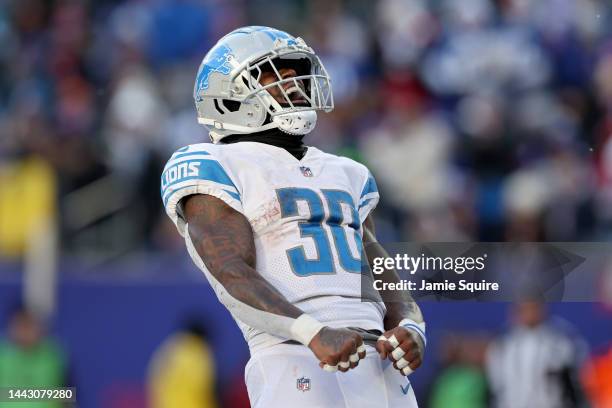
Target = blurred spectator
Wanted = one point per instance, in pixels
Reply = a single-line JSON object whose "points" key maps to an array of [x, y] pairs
{"points": [[536, 364], [480, 119], [461, 383], [182, 371], [30, 359], [477, 117], [27, 202], [597, 377]]}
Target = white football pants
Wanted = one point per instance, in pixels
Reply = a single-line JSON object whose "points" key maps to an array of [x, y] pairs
{"points": [[289, 375]]}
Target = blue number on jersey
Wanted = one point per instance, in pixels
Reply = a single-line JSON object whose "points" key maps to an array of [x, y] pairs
{"points": [[313, 227], [288, 198], [335, 198]]}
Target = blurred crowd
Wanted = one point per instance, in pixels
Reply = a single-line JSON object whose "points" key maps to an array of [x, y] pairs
{"points": [[480, 119]]}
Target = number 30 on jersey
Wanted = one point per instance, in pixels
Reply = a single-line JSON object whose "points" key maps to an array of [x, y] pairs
{"points": [[313, 228]]}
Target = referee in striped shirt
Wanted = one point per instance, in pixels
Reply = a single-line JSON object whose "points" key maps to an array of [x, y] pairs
{"points": [[536, 364]]}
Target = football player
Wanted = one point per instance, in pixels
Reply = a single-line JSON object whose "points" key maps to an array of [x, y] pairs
{"points": [[279, 228]]}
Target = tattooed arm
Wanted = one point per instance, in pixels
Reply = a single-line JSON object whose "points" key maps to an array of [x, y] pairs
{"points": [[400, 304], [223, 239], [401, 308]]}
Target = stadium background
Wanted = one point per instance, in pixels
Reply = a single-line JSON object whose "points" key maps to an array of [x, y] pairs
{"points": [[480, 119]]}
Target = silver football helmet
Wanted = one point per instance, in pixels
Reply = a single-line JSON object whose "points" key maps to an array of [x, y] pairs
{"points": [[230, 99]]}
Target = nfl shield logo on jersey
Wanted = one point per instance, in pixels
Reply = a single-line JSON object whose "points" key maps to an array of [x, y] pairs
{"points": [[306, 171], [303, 384]]}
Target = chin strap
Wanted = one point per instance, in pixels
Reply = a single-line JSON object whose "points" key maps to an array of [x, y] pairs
{"points": [[296, 123]]}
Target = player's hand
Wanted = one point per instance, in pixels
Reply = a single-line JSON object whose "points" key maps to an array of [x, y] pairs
{"points": [[402, 346], [337, 349]]}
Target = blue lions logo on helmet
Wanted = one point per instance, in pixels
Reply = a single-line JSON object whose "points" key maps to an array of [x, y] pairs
{"points": [[217, 60]]}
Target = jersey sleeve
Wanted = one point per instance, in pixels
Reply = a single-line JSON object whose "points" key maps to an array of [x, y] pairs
{"points": [[369, 197], [196, 171]]}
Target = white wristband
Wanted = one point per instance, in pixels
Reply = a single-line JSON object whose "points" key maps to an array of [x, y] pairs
{"points": [[304, 328], [414, 326]]}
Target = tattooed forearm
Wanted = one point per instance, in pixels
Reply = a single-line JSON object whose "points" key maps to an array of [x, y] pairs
{"points": [[224, 240], [400, 304]]}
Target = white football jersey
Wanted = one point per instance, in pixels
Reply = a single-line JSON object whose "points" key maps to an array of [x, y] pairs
{"points": [[306, 217]]}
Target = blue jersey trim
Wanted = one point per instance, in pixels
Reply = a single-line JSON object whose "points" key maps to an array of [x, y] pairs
{"points": [[202, 153], [364, 203], [370, 187], [209, 170], [234, 195]]}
